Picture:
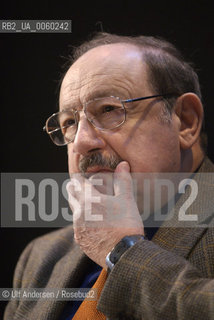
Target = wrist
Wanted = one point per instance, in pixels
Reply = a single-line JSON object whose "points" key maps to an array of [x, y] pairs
{"points": [[121, 247]]}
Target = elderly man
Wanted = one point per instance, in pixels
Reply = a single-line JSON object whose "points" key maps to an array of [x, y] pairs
{"points": [[127, 106]]}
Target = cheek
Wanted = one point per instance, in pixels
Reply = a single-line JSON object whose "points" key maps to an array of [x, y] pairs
{"points": [[156, 151], [161, 152]]}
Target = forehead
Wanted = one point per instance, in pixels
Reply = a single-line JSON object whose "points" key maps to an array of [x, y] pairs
{"points": [[116, 69]]}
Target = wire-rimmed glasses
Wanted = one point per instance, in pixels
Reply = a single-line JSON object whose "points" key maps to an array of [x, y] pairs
{"points": [[105, 113]]}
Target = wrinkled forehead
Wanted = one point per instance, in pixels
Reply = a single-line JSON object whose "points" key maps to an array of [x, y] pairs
{"points": [[117, 70]]}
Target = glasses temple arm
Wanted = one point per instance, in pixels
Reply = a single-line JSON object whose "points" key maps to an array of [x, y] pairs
{"points": [[150, 97]]}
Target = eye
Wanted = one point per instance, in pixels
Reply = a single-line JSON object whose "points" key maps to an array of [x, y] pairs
{"points": [[108, 108], [67, 126], [68, 123], [67, 120]]}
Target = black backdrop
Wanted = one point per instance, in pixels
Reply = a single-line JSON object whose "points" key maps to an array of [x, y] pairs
{"points": [[31, 67]]}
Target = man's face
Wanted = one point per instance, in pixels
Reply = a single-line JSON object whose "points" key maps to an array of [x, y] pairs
{"points": [[147, 143]]}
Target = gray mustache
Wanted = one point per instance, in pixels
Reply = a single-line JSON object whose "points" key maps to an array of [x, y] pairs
{"points": [[97, 159]]}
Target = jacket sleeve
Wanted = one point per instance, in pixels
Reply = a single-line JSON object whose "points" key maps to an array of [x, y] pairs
{"points": [[13, 305], [151, 283]]}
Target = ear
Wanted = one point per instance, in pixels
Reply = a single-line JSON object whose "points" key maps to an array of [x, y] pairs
{"points": [[190, 111]]}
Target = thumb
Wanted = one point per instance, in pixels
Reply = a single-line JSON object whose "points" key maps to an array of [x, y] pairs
{"points": [[123, 166], [122, 179]]}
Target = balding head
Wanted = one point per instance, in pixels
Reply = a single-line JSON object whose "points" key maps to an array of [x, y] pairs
{"points": [[116, 69]]}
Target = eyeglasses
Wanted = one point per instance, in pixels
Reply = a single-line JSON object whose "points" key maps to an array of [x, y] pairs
{"points": [[105, 113]]}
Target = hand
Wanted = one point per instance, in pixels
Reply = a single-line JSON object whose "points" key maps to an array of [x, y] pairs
{"points": [[99, 226]]}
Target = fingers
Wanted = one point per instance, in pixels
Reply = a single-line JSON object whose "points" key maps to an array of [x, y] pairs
{"points": [[82, 196], [72, 187], [97, 193], [108, 184], [103, 182]]}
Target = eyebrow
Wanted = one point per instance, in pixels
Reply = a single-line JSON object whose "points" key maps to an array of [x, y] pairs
{"points": [[96, 94], [103, 93]]}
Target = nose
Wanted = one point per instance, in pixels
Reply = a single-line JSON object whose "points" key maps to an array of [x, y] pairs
{"points": [[88, 138]]}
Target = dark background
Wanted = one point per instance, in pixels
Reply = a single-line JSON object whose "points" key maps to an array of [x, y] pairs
{"points": [[31, 67]]}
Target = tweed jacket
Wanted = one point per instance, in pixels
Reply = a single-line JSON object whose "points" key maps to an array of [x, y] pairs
{"points": [[170, 277]]}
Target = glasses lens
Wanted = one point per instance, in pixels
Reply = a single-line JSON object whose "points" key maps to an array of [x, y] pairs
{"points": [[62, 127], [105, 113]]}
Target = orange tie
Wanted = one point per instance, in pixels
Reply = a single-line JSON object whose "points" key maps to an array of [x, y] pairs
{"points": [[88, 309]]}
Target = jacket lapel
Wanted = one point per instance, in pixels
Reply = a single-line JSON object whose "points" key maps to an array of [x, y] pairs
{"points": [[68, 272]]}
